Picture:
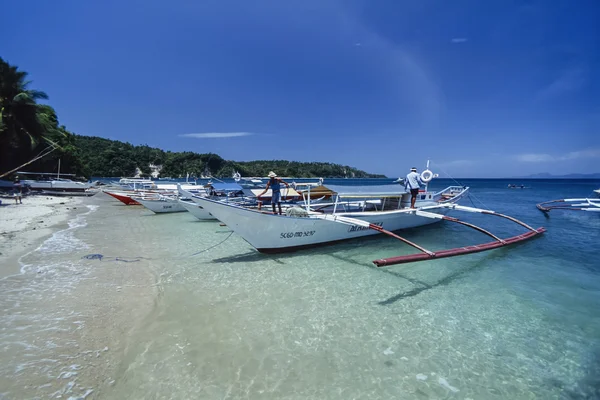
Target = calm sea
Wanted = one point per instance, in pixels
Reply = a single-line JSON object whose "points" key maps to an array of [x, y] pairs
{"points": [[177, 308]]}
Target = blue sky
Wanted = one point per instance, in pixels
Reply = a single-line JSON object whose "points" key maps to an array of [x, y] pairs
{"points": [[482, 88]]}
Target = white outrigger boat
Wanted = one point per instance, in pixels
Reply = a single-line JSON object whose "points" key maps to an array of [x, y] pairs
{"points": [[196, 210], [583, 204], [161, 205], [597, 191], [356, 213]]}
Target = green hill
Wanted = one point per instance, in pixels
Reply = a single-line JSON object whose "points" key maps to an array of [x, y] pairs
{"points": [[102, 157]]}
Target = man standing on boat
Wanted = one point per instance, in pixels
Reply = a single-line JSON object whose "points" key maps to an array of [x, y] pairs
{"points": [[275, 185], [413, 182]]}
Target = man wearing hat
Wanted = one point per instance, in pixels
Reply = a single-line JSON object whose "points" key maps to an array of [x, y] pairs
{"points": [[275, 185], [413, 181]]}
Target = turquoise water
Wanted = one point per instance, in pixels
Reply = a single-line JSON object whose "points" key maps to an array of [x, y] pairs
{"points": [[229, 323]]}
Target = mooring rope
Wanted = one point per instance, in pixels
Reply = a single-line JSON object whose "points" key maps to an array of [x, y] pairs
{"points": [[101, 257], [460, 184]]}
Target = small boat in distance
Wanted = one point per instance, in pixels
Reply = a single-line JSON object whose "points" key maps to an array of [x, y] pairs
{"points": [[513, 186]]}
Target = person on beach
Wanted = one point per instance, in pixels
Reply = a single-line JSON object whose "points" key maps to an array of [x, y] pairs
{"points": [[275, 185], [18, 190], [413, 182]]}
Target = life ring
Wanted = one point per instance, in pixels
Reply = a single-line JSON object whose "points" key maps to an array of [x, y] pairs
{"points": [[237, 176], [426, 176]]}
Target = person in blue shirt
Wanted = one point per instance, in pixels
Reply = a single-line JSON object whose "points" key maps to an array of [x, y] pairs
{"points": [[413, 182], [275, 185]]}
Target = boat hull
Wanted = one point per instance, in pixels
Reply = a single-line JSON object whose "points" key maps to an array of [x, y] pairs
{"points": [[162, 206], [197, 210], [57, 185], [125, 199], [270, 233]]}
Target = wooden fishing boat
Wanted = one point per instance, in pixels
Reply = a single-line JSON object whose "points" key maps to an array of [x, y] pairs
{"points": [[354, 214], [123, 197], [196, 210], [161, 205], [583, 204]]}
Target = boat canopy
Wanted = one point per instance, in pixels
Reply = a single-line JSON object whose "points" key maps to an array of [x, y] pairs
{"points": [[286, 192], [368, 191], [225, 187]]}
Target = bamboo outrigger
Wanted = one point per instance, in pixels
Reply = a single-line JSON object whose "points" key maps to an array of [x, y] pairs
{"points": [[570, 204], [429, 255]]}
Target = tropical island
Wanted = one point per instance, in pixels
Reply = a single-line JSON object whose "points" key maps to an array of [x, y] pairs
{"points": [[31, 139]]}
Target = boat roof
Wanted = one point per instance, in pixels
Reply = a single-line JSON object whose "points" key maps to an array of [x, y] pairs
{"points": [[287, 192], [226, 187], [368, 191]]}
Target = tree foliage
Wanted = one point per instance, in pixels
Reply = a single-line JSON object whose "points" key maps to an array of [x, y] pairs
{"points": [[104, 158]]}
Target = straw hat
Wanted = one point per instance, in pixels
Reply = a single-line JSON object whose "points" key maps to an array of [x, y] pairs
{"points": [[272, 174]]}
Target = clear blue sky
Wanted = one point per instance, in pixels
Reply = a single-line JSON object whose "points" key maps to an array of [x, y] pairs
{"points": [[483, 88]]}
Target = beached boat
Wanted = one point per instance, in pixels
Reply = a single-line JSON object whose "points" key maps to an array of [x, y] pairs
{"points": [[355, 213], [124, 197], [161, 205], [582, 204], [52, 183], [196, 210]]}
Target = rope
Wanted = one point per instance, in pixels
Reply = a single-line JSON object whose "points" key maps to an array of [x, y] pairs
{"points": [[213, 246], [460, 184], [101, 257]]}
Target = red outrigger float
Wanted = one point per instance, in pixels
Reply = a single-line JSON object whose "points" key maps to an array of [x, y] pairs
{"points": [[431, 255]]}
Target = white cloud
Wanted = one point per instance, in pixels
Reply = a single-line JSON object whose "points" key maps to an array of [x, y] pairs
{"points": [[459, 40], [574, 155], [216, 135], [591, 153], [457, 163], [534, 158], [569, 80]]}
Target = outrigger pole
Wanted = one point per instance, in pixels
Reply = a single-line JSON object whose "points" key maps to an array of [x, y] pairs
{"points": [[429, 255], [570, 204]]}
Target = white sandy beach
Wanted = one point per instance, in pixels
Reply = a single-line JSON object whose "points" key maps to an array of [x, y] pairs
{"points": [[23, 226], [84, 310]]}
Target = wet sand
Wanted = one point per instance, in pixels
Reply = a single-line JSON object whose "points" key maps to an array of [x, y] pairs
{"points": [[24, 226]]}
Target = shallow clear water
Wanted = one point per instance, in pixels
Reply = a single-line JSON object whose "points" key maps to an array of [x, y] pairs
{"points": [[513, 323]]}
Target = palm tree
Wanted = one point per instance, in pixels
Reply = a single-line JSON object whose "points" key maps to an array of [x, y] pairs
{"points": [[21, 127]]}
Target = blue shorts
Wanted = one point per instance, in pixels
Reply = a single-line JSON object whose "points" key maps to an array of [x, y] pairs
{"points": [[276, 198]]}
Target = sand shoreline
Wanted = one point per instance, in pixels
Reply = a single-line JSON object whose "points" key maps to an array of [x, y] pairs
{"points": [[25, 226], [92, 315]]}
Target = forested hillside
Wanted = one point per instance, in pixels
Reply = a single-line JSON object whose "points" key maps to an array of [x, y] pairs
{"points": [[104, 157]]}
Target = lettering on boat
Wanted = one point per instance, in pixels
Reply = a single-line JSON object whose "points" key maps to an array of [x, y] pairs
{"points": [[165, 207], [289, 235], [356, 228]]}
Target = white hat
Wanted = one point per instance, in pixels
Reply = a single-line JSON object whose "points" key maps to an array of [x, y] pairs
{"points": [[272, 174]]}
